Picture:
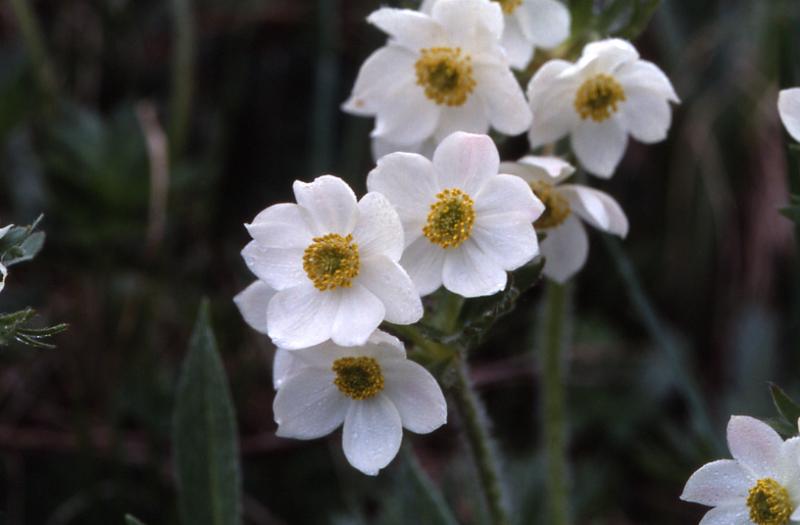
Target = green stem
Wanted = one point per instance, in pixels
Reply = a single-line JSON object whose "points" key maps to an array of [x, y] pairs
{"points": [[553, 402], [426, 487], [182, 76], [32, 35], [476, 427]]}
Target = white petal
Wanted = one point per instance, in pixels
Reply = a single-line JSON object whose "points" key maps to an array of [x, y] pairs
{"points": [[789, 109], [606, 55], [565, 250], [519, 49], [286, 364], [372, 434], [330, 202], [284, 225], [465, 19], [641, 74], [308, 405], [465, 161], [600, 146], [510, 245], [411, 29], [409, 118], [424, 263], [390, 283], [470, 272], [646, 115], [301, 316], [3, 275], [360, 313], [718, 483], [382, 74], [280, 268], [416, 395], [755, 445], [506, 107], [426, 6], [789, 475], [596, 207], [737, 514], [551, 100], [504, 199], [5, 230], [534, 168], [544, 22], [470, 117], [378, 230], [252, 303]]}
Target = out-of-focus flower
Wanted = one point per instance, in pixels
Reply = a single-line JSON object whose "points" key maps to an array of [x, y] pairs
{"points": [[3, 269], [464, 224], [789, 110], [528, 24], [437, 74], [760, 485], [606, 95], [333, 262], [373, 389], [566, 246]]}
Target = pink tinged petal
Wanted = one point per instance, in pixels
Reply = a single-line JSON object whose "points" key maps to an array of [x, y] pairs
{"points": [[641, 74], [378, 230], [416, 395], [409, 182], [510, 245], [470, 117], [381, 75], [737, 514], [302, 316], [360, 313], [755, 445], [718, 483], [543, 22], [280, 268], [506, 198], [551, 100], [789, 110], [308, 405], [285, 225], [330, 202], [597, 208], [504, 100], [600, 146], [391, 284], [465, 20], [410, 117], [470, 272], [424, 263], [372, 434], [286, 364], [519, 49], [252, 303], [411, 29], [789, 475], [565, 250], [465, 161], [646, 115]]}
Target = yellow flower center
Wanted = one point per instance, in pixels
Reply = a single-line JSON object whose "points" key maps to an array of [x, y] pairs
{"points": [[598, 97], [450, 219], [556, 206], [445, 75], [358, 377], [769, 503], [508, 6], [331, 261]]}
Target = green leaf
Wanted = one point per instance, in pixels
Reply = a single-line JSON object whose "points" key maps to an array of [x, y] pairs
{"points": [[786, 406], [130, 520], [21, 243], [205, 440], [14, 327]]}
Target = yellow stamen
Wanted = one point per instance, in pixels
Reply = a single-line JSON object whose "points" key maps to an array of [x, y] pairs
{"points": [[450, 219], [358, 377], [769, 503], [445, 75], [331, 261], [556, 206], [508, 6], [598, 98]]}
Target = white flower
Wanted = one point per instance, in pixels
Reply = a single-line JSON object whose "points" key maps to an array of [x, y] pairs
{"points": [[598, 101], [760, 485], [789, 109], [333, 263], [528, 24], [566, 246], [437, 74], [3, 269], [373, 389], [465, 225]]}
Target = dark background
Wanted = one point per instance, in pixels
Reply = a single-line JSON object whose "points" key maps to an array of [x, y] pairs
{"points": [[681, 327]]}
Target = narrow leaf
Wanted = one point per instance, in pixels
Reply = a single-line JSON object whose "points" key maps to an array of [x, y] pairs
{"points": [[130, 520], [786, 406], [205, 440]]}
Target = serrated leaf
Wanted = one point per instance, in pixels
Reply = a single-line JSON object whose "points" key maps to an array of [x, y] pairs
{"points": [[130, 520], [204, 435], [785, 405]]}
